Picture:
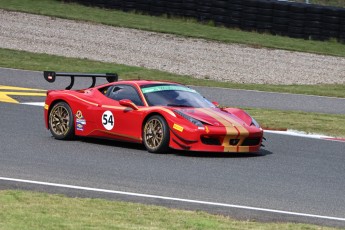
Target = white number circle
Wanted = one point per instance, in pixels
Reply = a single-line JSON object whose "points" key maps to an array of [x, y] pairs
{"points": [[108, 120]]}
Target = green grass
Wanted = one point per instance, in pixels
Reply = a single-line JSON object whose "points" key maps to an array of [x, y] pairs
{"points": [[188, 28], [40, 62], [315, 123], [31, 210]]}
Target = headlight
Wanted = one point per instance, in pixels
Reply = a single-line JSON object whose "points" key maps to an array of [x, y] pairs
{"points": [[255, 123], [189, 118]]}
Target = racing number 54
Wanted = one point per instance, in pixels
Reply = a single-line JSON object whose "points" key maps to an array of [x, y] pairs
{"points": [[108, 120]]}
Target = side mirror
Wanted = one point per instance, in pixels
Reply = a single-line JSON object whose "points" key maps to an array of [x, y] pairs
{"points": [[128, 103]]}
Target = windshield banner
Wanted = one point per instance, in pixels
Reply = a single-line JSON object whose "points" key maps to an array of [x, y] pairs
{"points": [[166, 87]]}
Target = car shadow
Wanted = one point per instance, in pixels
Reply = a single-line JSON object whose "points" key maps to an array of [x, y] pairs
{"points": [[261, 153], [113, 143], [181, 153]]}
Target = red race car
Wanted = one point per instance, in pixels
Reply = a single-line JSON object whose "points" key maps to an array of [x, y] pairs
{"points": [[161, 115]]}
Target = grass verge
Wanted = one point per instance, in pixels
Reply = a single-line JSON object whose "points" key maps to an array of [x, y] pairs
{"points": [[183, 27], [316, 123], [40, 62], [32, 210]]}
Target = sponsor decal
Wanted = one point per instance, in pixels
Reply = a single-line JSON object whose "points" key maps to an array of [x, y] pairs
{"points": [[178, 127], [46, 107], [108, 120], [166, 87], [80, 127], [206, 129], [80, 121], [79, 115]]}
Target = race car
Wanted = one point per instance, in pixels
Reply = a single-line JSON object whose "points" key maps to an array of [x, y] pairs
{"points": [[161, 115]]}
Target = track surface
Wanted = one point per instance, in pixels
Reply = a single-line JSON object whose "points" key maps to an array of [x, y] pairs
{"points": [[290, 173]]}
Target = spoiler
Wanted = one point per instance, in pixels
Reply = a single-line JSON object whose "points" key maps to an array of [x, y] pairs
{"points": [[50, 76]]}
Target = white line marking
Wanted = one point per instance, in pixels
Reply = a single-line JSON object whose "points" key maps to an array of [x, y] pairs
{"points": [[33, 103], [297, 134], [171, 198]]}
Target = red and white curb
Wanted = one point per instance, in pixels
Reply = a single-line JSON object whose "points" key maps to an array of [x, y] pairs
{"points": [[287, 132]]}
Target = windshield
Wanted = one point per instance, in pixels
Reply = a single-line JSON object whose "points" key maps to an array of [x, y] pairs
{"points": [[174, 95]]}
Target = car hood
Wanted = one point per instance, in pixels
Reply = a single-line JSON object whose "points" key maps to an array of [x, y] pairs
{"points": [[213, 116]]}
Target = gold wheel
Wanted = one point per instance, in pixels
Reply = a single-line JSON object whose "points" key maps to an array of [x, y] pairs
{"points": [[154, 133], [61, 121]]}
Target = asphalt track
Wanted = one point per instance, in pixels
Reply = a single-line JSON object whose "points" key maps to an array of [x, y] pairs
{"points": [[291, 174]]}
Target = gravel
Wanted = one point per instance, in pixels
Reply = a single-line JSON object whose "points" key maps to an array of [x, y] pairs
{"points": [[195, 57]]}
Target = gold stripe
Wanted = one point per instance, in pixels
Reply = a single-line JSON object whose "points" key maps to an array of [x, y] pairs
{"points": [[118, 107], [158, 107], [228, 125], [114, 107], [243, 131]]}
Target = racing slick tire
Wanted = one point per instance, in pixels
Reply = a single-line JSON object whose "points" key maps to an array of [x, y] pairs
{"points": [[61, 121], [156, 134]]}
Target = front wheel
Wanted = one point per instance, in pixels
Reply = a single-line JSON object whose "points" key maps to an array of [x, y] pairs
{"points": [[61, 122], [156, 134]]}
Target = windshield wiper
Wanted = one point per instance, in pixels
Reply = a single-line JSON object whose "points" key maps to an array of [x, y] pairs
{"points": [[178, 105]]}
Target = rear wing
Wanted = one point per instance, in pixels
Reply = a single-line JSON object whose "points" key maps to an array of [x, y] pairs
{"points": [[50, 76]]}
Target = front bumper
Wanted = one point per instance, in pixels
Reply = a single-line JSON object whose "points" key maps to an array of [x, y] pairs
{"points": [[218, 139]]}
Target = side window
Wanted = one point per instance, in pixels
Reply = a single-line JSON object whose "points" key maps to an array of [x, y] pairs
{"points": [[120, 92], [104, 90]]}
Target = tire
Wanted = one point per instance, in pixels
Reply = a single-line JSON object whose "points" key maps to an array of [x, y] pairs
{"points": [[61, 121], [156, 134]]}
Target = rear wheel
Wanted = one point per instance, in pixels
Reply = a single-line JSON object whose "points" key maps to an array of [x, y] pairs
{"points": [[156, 134], [61, 122]]}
